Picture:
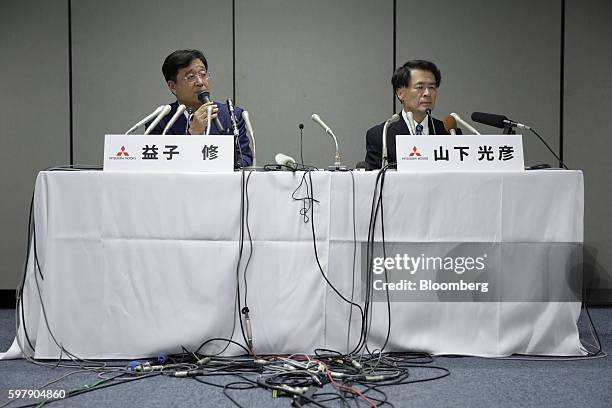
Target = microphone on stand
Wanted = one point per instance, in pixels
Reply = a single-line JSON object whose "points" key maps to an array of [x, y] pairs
{"points": [[230, 107], [450, 124], [411, 123], [464, 123], [327, 129], [501, 121], [145, 119], [430, 124], [204, 97], [165, 110], [498, 121], [385, 159], [249, 127], [301, 127], [174, 118]]}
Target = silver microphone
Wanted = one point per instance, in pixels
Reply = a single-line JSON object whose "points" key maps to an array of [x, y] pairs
{"points": [[165, 110], [249, 127], [174, 118], [230, 107], [411, 123], [392, 119], [328, 130], [285, 160], [464, 123], [145, 119]]}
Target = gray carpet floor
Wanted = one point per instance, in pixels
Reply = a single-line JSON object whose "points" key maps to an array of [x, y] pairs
{"points": [[473, 382]]}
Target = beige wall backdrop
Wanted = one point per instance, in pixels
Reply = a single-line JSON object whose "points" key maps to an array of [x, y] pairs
{"points": [[86, 68]]}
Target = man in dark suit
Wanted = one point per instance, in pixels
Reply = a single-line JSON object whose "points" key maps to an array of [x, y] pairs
{"points": [[416, 87], [186, 73]]}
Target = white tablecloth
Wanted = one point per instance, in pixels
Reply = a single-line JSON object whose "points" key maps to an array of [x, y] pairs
{"points": [[137, 264]]}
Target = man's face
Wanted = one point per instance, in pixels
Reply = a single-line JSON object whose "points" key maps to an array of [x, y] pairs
{"points": [[420, 94], [190, 81]]}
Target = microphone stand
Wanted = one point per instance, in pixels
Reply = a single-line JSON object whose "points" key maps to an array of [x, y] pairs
{"points": [[509, 129], [430, 123]]}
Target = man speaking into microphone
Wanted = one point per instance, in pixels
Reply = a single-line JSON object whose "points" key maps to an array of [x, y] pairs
{"points": [[415, 85], [187, 76]]}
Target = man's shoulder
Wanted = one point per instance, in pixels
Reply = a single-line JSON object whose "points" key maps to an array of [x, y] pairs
{"points": [[376, 129]]}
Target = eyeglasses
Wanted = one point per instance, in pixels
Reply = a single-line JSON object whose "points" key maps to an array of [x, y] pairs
{"points": [[192, 78], [422, 88]]}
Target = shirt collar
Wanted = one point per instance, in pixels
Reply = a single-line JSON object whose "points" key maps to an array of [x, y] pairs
{"points": [[424, 122]]}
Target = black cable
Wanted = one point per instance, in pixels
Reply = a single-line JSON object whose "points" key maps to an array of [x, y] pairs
{"points": [[549, 148], [239, 309], [19, 293], [106, 383], [222, 339], [593, 331], [374, 211], [248, 229], [263, 384], [310, 197], [348, 333], [229, 386]]}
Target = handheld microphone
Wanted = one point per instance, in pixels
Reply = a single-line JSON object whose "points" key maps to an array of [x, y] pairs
{"points": [[249, 127], [285, 160], [208, 122], [145, 119], [230, 107], [165, 110], [328, 130], [464, 123], [174, 118], [498, 121], [204, 97], [392, 119]]}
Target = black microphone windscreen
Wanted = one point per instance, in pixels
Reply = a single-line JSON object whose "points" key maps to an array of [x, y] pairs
{"points": [[204, 96], [490, 119]]}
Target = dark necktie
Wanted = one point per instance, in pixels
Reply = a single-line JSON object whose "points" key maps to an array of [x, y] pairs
{"points": [[419, 129]]}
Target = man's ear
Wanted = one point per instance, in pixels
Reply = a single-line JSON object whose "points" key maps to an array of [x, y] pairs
{"points": [[172, 87], [399, 94]]}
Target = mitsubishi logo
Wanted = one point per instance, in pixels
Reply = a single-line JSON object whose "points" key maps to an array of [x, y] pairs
{"points": [[414, 152], [123, 152]]}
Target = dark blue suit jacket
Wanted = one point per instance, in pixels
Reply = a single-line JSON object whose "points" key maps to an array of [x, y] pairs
{"points": [[243, 155], [373, 157]]}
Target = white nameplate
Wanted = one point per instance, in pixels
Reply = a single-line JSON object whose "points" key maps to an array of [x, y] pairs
{"points": [[174, 153], [488, 153]]}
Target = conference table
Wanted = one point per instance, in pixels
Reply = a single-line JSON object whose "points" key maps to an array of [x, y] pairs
{"points": [[127, 265]]}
